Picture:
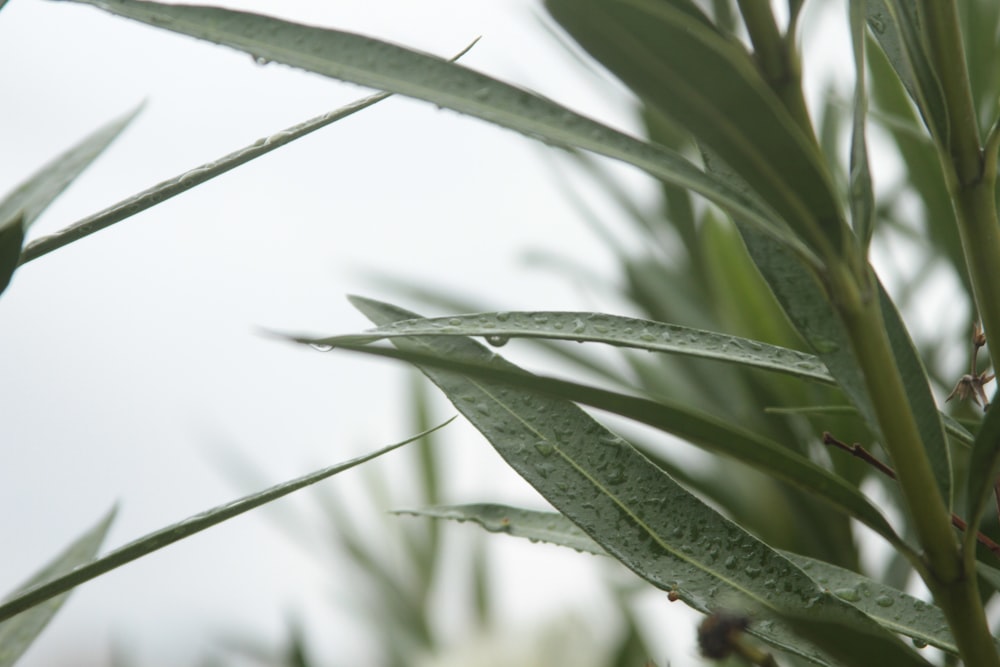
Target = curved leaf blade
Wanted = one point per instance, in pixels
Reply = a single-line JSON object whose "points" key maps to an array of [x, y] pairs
{"points": [[710, 85], [166, 536], [893, 609], [634, 510], [18, 633], [370, 62], [703, 430], [497, 327]]}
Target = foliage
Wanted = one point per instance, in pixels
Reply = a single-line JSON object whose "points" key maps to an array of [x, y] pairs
{"points": [[770, 233]]}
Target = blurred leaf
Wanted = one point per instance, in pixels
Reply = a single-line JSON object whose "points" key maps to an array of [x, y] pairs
{"points": [[895, 610], [984, 466], [20, 208], [11, 240], [918, 391], [636, 512], [666, 55], [19, 632], [156, 540], [371, 62], [34, 195], [603, 328], [712, 434], [862, 196], [896, 29]]}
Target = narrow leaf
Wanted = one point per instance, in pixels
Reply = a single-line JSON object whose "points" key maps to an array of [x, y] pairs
{"points": [[11, 240], [862, 196], [706, 81], [895, 27], [20, 208], [893, 609], [712, 434], [165, 536], [984, 468], [18, 633], [189, 179], [34, 195], [389, 67], [610, 329], [634, 510]]}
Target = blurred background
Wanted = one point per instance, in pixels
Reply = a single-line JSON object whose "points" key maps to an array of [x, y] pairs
{"points": [[135, 371]]}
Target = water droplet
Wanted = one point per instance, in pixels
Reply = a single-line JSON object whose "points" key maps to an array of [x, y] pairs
{"points": [[545, 448], [884, 601], [730, 562], [848, 594], [752, 571], [322, 347], [503, 317], [919, 643], [497, 340], [260, 60], [455, 322]]}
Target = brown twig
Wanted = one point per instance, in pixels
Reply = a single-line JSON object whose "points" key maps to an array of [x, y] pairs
{"points": [[866, 456]]}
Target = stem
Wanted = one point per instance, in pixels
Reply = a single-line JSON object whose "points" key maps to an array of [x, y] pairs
{"points": [[777, 60], [939, 20], [862, 317]]}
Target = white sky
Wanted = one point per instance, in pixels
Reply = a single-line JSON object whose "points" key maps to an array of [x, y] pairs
{"points": [[129, 357]]}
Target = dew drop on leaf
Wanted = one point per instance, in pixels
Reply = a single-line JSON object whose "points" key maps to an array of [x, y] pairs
{"points": [[497, 340], [322, 347]]}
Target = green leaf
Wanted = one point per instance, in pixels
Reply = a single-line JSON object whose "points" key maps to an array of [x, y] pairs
{"points": [[896, 31], [918, 391], [20, 208], [18, 633], [34, 195], [984, 467], [378, 64], [610, 329], [862, 196], [156, 540], [705, 431], [634, 510], [893, 609], [174, 186], [705, 80], [11, 240]]}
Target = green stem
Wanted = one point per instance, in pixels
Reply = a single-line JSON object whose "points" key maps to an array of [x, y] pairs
{"points": [[862, 317], [939, 19], [777, 60], [963, 608]]}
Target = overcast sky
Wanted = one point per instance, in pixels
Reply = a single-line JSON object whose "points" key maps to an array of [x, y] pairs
{"points": [[132, 357]]}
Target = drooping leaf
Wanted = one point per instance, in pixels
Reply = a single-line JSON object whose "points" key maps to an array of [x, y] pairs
{"points": [[635, 511], [18, 633], [610, 329], [712, 434], [375, 63], [893, 609], [666, 55], [156, 540]]}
